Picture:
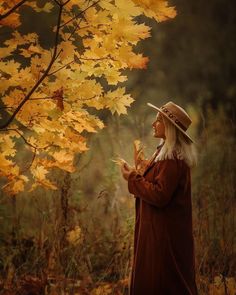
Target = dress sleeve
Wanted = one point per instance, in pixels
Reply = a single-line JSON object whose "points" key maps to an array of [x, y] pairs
{"points": [[160, 191]]}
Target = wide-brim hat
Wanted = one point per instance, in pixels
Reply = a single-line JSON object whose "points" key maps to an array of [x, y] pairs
{"points": [[177, 115]]}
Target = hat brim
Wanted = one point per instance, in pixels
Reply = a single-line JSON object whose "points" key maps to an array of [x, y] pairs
{"points": [[159, 110]]}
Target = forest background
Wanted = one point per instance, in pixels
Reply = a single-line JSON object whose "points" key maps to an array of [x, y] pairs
{"points": [[78, 238]]}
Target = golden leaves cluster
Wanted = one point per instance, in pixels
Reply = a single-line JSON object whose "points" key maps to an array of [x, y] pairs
{"points": [[95, 44]]}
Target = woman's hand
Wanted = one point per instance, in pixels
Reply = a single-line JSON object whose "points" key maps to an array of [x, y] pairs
{"points": [[126, 169], [141, 166]]}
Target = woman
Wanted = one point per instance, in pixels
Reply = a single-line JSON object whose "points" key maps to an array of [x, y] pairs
{"points": [[163, 262]]}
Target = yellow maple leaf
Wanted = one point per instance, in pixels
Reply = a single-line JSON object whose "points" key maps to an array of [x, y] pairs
{"points": [[32, 49], [106, 4], [10, 67], [64, 160], [14, 187], [136, 61], [117, 100], [7, 145], [14, 98], [67, 49], [75, 141], [39, 172], [127, 8], [5, 165], [157, 9], [13, 20], [71, 3], [127, 31], [6, 51], [113, 76], [46, 8]]}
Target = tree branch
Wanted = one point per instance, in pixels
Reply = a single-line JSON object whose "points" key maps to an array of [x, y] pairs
{"points": [[75, 29], [59, 4], [62, 67], [66, 2], [12, 10], [54, 56]]}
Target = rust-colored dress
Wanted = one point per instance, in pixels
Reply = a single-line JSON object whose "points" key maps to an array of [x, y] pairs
{"points": [[163, 262]]}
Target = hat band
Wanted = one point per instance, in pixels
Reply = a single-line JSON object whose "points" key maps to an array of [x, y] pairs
{"points": [[173, 118]]}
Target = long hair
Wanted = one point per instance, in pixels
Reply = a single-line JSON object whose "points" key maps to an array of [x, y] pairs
{"points": [[177, 143]]}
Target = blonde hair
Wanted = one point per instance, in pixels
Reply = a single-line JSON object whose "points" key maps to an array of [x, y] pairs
{"points": [[177, 143]]}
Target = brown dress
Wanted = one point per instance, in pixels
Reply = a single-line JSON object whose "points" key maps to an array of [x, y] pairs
{"points": [[163, 262]]}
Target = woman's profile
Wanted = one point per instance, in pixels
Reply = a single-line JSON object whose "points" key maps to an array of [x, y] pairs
{"points": [[163, 258]]}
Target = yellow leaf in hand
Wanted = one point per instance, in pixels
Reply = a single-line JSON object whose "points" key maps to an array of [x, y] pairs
{"points": [[119, 161], [139, 158]]}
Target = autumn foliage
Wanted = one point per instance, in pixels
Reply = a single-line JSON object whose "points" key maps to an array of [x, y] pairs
{"points": [[46, 93]]}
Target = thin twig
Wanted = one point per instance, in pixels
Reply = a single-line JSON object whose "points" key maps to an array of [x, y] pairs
{"points": [[76, 27], [25, 140], [61, 68], [66, 2], [58, 54], [12, 10]]}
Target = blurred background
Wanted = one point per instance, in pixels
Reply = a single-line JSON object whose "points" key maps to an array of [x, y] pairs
{"points": [[81, 236]]}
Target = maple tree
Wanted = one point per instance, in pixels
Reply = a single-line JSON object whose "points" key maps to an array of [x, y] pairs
{"points": [[46, 97]]}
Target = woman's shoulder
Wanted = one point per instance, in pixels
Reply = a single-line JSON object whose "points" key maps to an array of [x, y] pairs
{"points": [[180, 160], [176, 160]]}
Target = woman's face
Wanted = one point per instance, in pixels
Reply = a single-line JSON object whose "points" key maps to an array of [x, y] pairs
{"points": [[159, 127]]}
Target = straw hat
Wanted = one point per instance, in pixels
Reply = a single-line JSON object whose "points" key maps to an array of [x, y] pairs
{"points": [[176, 115]]}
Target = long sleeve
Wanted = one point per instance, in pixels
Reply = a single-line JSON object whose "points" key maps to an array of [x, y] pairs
{"points": [[160, 191]]}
